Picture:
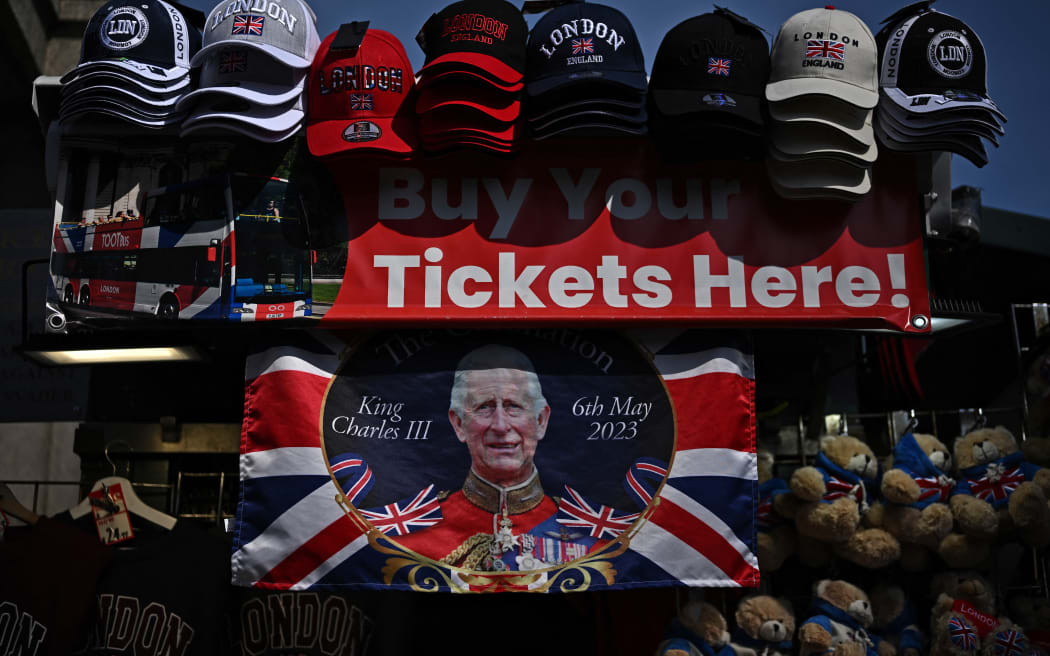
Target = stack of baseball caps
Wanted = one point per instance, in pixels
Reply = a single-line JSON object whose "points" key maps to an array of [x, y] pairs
{"points": [[469, 91], [706, 90], [934, 88], [253, 67], [585, 74], [359, 81], [134, 65], [822, 89]]}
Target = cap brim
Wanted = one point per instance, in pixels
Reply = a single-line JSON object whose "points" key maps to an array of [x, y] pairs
{"points": [[283, 56], [674, 102], [630, 79], [103, 91], [438, 77], [227, 128], [131, 108], [971, 149], [845, 158], [81, 113], [145, 72], [590, 116], [499, 147], [257, 94], [273, 119], [453, 123], [802, 86], [976, 116], [486, 65], [820, 174], [507, 114], [823, 194], [928, 103], [325, 138], [618, 112], [850, 120], [592, 128], [971, 128], [816, 140], [614, 105], [119, 79]]}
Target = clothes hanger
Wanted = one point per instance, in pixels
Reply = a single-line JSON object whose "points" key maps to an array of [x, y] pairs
{"points": [[9, 504], [134, 504]]}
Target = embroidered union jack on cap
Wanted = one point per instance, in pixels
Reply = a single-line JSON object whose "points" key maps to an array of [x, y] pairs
{"points": [[359, 80], [713, 63], [284, 29], [827, 52]]}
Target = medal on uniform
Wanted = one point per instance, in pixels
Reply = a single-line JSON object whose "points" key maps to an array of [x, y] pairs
{"points": [[527, 560]]}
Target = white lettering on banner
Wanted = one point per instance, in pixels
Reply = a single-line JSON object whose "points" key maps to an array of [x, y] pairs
{"points": [[402, 197], [115, 240], [573, 286]]}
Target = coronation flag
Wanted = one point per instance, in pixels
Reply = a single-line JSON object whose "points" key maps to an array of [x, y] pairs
{"points": [[697, 528]]}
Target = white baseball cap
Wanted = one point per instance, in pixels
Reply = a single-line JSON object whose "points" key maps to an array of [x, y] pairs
{"points": [[852, 121], [250, 74], [805, 140], [825, 51], [227, 128], [820, 174], [273, 119]]}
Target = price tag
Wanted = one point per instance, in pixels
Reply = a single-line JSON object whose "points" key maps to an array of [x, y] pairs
{"points": [[115, 526]]}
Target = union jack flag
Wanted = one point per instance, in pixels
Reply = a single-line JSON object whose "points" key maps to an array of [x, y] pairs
{"points": [[962, 634], [599, 520], [717, 66], [360, 101], [934, 488], [996, 490], [292, 533], [248, 24], [582, 46], [233, 62], [1010, 643], [764, 512], [407, 515], [837, 487], [826, 49]]}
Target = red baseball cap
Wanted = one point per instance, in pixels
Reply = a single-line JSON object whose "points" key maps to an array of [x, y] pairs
{"points": [[501, 106], [452, 123], [455, 75], [356, 97]]}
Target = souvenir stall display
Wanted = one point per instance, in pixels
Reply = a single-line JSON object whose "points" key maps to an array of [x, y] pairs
{"points": [[532, 322]]}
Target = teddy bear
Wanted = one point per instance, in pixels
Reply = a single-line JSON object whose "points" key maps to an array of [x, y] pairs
{"points": [[776, 505], [917, 488], [1033, 613], [894, 619], [765, 626], [963, 619], [834, 494], [998, 491], [699, 629], [838, 626]]}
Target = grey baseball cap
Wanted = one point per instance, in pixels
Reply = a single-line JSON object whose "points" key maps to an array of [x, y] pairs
{"points": [[227, 128], [250, 74], [284, 29], [816, 178], [825, 51]]}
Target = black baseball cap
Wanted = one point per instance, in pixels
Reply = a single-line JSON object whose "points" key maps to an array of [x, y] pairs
{"points": [[146, 40], [932, 62], [485, 36], [716, 62], [583, 42]]}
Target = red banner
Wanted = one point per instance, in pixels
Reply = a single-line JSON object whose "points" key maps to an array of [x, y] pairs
{"points": [[608, 232]]}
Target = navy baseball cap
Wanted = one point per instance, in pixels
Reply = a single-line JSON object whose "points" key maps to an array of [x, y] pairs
{"points": [[583, 42], [484, 36], [716, 62], [146, 41]]}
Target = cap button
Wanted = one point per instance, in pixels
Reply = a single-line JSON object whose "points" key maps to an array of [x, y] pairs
{"points": [[829, 6]]}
